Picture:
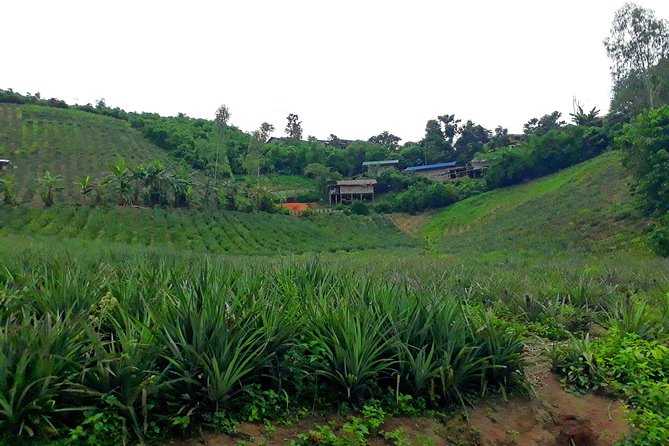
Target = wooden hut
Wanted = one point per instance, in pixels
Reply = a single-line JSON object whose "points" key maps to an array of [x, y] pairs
{"points": [[345, 191]]}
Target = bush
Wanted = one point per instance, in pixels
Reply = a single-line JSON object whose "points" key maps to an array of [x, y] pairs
{"points": [[359, 208], [646, 141], [659, 238]]}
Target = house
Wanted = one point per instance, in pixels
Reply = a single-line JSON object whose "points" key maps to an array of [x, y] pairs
{"points": [[376, 168], [5, 164], [450, 171], [345, 191], [435, 172]]}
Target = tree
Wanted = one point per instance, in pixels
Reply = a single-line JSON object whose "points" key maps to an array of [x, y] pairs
{"points": [[85, 187], [590, 119], [222, 115], [122, 177], [629, 96], [638, 41], [49, 184], [266, 130], [471, 139], [646, 142], [294, 127], [542, 125], [386, 140], [255, 159], [500, 138], [182, 187], [321, 175]]}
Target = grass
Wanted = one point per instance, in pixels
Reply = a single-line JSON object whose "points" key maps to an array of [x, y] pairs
{"points": [[584, 208]]}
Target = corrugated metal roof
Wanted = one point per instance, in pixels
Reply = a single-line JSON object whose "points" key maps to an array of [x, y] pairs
{"points": [[356, 182], [430, 166], [378, 163]]}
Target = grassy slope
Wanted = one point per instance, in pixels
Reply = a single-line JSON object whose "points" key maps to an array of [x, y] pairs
{"points": [[584, 208], [70, 143]]}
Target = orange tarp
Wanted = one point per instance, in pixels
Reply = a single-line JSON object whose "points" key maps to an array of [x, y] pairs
{"points": [[295, 206]]}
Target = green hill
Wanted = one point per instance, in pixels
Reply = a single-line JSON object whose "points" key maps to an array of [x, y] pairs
{"points": [[587, 207], [69, 143]]}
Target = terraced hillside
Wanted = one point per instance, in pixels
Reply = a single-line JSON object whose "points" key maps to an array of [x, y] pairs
{"points": [[584, 208], [69, 143], [215, 232]]}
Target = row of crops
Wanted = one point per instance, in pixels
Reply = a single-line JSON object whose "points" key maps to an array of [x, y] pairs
{"points": [[159, 344], [68, 143], [206, 231]]}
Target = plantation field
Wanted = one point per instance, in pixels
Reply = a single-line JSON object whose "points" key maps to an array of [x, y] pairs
{"points": [[69, 143], [142, 328], [206, 231], [585, 208]]}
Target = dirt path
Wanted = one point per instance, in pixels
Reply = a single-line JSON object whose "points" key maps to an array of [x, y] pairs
{"points": [[553, 418], [411, 224]]}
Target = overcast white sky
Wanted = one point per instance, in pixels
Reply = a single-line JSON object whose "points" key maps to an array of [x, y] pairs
{"points": [[353, 68]]}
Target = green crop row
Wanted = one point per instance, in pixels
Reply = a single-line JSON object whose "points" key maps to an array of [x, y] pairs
{"points": [[206, 231]]}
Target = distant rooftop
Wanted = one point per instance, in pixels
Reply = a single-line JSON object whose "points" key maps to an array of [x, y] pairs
{"points": [[430, 166], [366, 182], [380, 163]]}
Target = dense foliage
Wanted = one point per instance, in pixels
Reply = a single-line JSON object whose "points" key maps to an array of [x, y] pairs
{"points": [[646, 143], [546, 152]]}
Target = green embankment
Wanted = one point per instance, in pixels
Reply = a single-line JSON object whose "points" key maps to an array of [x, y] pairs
{"points": [[215, 232], [68, 143], [587, 207]]}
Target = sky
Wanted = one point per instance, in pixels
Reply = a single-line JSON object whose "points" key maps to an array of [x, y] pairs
{"points": [[351, 68]]}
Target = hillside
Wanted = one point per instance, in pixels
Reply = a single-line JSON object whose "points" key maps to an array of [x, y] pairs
{"points": [[214, 232], [587, 207], [69, 143]]}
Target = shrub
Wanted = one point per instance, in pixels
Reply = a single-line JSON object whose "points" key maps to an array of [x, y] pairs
{"points": [[359, 208]]}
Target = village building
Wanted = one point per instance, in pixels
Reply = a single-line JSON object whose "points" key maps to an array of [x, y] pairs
{"points": [[345, 191], [435, 172], [376, 168], [5, 164], [450, 171]]}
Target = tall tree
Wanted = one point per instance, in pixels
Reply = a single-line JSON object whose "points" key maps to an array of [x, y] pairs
{"points": [[49, 185], [255, 159], [589, 119], [471, 139], [386, 140], [222, 115], [539, 126], [638, 41], [294, 127], [266, 130]]}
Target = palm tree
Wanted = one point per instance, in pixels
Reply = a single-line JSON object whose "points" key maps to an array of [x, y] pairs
{"points": [[182, 187], [154, 181], [49, 186], [228, 195], [122, 176], [85, 187]]}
